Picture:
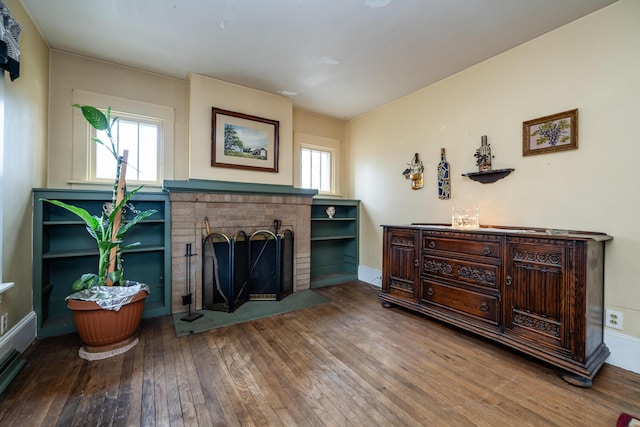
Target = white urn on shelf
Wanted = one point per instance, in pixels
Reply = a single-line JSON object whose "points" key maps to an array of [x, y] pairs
{"points": [[331, 211]]}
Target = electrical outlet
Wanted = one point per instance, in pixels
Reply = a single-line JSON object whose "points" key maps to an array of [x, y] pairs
{"points": [[4, 323], [614, 319]]}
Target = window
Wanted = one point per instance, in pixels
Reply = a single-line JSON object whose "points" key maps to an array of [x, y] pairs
{"points": [[145, 130], [141, 138], [317, 163], [315, 169]]}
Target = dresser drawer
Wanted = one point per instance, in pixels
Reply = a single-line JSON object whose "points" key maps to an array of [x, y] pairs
{"points": [[485, 275], [469, 302], [491, 249]]}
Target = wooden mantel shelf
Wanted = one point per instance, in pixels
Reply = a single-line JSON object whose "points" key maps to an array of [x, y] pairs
{"points": [[488, 177], [209, 186]]}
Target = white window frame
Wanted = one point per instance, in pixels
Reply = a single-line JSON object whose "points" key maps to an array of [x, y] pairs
{"points": [[83, 152], [313, 142], [93, 148]]}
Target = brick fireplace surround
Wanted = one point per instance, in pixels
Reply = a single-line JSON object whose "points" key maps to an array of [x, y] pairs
{"points": [[232, 207]]}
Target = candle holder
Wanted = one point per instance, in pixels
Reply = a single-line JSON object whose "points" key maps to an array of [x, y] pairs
{"points": [[465, 218]]}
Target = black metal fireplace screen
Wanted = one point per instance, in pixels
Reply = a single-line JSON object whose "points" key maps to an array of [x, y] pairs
{"points": [[242, 268]]}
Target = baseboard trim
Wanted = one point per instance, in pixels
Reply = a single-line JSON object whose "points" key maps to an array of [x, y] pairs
{"points": [[370, 275], [20, 336], [624, 350]]}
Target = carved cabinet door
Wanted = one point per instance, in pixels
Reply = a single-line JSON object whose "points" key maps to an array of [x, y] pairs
{"points": [[537, 293], [401, 263]]}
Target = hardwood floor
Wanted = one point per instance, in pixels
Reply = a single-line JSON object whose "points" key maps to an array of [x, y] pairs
{"points": [[347, 362]]}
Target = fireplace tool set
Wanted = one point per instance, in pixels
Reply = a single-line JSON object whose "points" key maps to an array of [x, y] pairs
{"points": [[188, 298]]}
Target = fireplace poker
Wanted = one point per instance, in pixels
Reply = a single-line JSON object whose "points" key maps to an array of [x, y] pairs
{"points": [[187, 299], [206, 225]]}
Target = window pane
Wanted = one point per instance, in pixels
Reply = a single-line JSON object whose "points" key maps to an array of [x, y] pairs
{"points": [[148, 169], [315, 169], [105, 163], [325, 171], [129, 141], [305, 168], [141, 139]]}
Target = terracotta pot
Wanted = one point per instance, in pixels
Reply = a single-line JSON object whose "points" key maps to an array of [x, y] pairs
{"points": [[107, 330]]}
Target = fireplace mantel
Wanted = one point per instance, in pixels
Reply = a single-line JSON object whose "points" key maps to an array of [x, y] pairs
{"points": [[229, 187]]}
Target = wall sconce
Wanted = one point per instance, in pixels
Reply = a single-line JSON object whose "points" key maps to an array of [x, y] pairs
{"points": [[415, 172]]}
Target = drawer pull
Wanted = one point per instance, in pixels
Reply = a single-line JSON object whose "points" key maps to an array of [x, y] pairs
{"points": [[484, 307], [508, 281], [486, 250], [416, 263], [432, 245], [430, 291]]}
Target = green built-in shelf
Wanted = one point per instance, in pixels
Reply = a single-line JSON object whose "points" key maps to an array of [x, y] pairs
{"points": [[334, 241], [63, 250]]}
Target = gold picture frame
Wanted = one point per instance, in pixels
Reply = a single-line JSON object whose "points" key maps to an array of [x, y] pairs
{"points": [[548, 134]]}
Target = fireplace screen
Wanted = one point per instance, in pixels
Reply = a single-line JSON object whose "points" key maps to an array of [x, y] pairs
{"points": [[225, 284], [240, 268]]}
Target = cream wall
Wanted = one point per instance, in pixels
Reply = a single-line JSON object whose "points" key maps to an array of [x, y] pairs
{"points": [[24, 167], [205, 93], [319, 125], [70, 72], [191, 100], [592, 64], [309, 123]]}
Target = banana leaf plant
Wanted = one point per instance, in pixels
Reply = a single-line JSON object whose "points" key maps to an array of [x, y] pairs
{"points": [[107, 229]]}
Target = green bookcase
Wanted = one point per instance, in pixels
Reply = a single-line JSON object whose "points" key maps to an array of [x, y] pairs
{"points": [[334, 241], [63, 250]]}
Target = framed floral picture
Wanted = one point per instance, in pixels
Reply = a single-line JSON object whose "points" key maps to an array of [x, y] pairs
{"points": [[242, 141], [548, 134]]}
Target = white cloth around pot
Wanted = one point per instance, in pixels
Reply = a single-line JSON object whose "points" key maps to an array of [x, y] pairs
{"points": [[110, 297]]}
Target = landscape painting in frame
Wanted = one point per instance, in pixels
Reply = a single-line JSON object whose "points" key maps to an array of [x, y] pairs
{"points": [[548, 134], [243, 141]]}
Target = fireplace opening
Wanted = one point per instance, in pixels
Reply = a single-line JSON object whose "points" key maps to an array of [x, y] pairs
{"points": [[242, 268]]}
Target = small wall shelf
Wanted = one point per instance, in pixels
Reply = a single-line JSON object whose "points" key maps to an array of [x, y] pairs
{"points": [[488, 177]]}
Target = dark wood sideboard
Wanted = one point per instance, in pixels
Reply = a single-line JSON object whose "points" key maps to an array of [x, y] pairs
{"points": [[537, 291]]}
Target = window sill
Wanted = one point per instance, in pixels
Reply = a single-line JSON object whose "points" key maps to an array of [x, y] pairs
{"points": [[328, 195], [84, 185]]}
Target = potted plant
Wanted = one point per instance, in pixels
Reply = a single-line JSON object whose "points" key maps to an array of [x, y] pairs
{"points": [[107, 308]]}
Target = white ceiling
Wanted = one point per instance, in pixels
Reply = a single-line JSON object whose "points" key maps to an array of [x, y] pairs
{"points": [[342, 57]]}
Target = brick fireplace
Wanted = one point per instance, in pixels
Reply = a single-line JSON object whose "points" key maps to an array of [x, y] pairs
{"points": [[232, 207]]}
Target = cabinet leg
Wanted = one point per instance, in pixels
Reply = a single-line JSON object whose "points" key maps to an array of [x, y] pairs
{"points": [[576, 380], [386, 304]]}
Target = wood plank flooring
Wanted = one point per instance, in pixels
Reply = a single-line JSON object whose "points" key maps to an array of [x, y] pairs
{"points": [[349, 362]]}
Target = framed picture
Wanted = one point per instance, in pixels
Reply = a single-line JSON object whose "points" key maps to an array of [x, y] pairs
{"points": [[242, 141], [548, 134]]}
